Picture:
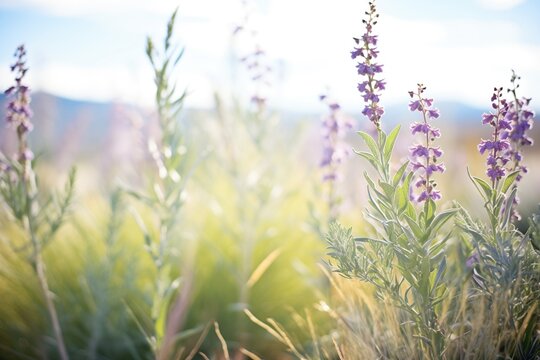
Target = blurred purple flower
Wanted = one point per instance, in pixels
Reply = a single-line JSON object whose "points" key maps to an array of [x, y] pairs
{"points": [[18, 112], [334, 127], [472, 260]]}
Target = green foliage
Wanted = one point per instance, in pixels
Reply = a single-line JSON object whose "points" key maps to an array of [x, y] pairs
{"points": [[405, 257], [505, 266]]}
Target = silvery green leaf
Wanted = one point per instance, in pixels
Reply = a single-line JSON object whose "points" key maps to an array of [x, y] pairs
{"points": [[509, 180], [509, 205], [441, 219], [417, 231], [389, 143], [388, 189], [399, 174], [372, 145]]}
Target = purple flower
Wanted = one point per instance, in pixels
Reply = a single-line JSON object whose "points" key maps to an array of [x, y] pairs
{"points": [[415, 105], [419, 150], [495, 172], [487, 118], [433, 113], [424, 156], [432, 168], [257, 66], [437, 152], [357, 52], [373, 112], [362, 86], [472, 260], [380, 84], [420, 128], [367, 51], [435, 195], [18, 112], [334, 127], [518, 120], [498, 146]]}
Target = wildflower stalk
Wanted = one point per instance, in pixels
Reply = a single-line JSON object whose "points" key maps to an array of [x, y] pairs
{"points": [[425, 156], [19, 191], [173, 170], [366, 50], [405, 260], [501, 258], [521, 119], [334, 127]]}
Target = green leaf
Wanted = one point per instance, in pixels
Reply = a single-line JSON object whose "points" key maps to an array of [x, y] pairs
{"points": [[509, 180], [399, 174], [411, 212], [417, 231], [369, 181], [508, 208], [401, 198], [369, 157], [388, 189], [372, 145], [535, 242], [366, 239], [429, 211], [390, 142], [486, 188], [441, 219]]}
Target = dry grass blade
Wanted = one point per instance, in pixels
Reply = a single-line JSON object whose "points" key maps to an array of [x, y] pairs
{"points": [[199, 342], [263, 325], [263, 266], [286, 339], [526, 321], [249, 354], [204, 356], [222, 341], [338, 349]]}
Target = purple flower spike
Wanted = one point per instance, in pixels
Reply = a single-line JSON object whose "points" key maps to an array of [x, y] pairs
{"points": [[18, 112], [498, 146], [334, 127], [366, 49], [424, 157], [518, 120]]}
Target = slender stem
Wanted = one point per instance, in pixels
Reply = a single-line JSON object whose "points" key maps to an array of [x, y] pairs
{"points": [[42, 277], [495, 181], [40, 269], [30, 191]]}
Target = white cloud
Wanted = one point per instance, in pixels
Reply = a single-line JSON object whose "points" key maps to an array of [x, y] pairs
{"points": [[206, 9], [500, 4], [311, 40]]}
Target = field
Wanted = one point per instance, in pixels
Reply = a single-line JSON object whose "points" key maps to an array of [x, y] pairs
{"points": [[245, 231]]}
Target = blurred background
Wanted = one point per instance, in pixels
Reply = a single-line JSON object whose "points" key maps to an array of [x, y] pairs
{"points": [[93, 99], [93, 89]]}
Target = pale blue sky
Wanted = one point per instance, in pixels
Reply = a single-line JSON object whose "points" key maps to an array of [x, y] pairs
{"points": [[94, 49]]}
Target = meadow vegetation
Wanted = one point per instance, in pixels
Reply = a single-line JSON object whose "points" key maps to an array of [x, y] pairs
{"points": [[229, 245]]}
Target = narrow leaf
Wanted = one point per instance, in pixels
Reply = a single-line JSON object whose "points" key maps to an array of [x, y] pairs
{"points": [[372, 145], [399, 174], [509, 180], [390, 142]]}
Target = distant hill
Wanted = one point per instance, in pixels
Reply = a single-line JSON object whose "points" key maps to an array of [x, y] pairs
{"points": [[90, 124]]}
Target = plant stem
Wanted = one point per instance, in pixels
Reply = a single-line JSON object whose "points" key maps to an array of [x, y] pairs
{"points": [[42, 277], [40, 268]]}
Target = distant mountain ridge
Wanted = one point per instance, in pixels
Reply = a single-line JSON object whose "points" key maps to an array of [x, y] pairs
{"points": [[56, 116]]}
